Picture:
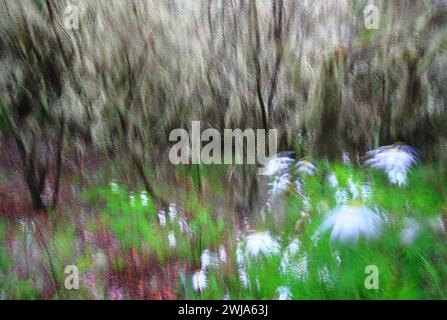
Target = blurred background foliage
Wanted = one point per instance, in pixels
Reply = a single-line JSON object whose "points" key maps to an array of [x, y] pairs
{"points": [[80, 107], [135, 70]]}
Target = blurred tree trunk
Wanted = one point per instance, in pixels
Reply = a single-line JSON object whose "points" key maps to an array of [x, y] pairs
{"points": [[34, 165], [60, 146], [256, 47]]}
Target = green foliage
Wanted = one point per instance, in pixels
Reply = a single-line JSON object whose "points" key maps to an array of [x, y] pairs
{"points": [[131, 74], [335, 271]]}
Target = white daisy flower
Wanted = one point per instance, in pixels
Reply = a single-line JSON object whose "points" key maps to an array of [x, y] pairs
{"points": [[284, 293], [398, 177], [396, 160], [279, 184], [171, 239], [199, 281], [277, 164], [261, 242], [305, 167], [351, 221]]}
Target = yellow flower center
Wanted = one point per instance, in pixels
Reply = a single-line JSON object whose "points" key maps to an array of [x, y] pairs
{"points": [[354, 203]]}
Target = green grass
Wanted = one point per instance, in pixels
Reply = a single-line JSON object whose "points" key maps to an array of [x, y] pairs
{"points": [[328, 270]]}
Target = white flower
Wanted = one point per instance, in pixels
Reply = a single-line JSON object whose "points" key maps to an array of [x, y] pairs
{"points": [[353, 189], [365, 191], [162, 218], [325, 277], [294, 247], [114, 186], [171, 238], [351, 221], [305, 167], [290, 255], [300, 138], [307, 205], [279, 184], [222, 255], [410, 231], [181, 225], [269, 207], [184, 227], [294, 263], [299, 268], [298, 186], [172, 212], [216, 261], [395, 160], [398, 177], [261, 242], [47, 195], [206, 259], [341, 196], [199, 281], [276, 165], [243, 278], [346, 159], [315, 238], [332, 179], [284, 293], [132, 199], [240, 258], [337, 257], [144, 198]]}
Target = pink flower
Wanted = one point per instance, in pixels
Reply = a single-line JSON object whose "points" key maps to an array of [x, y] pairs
{"points": [[116, 293]]}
